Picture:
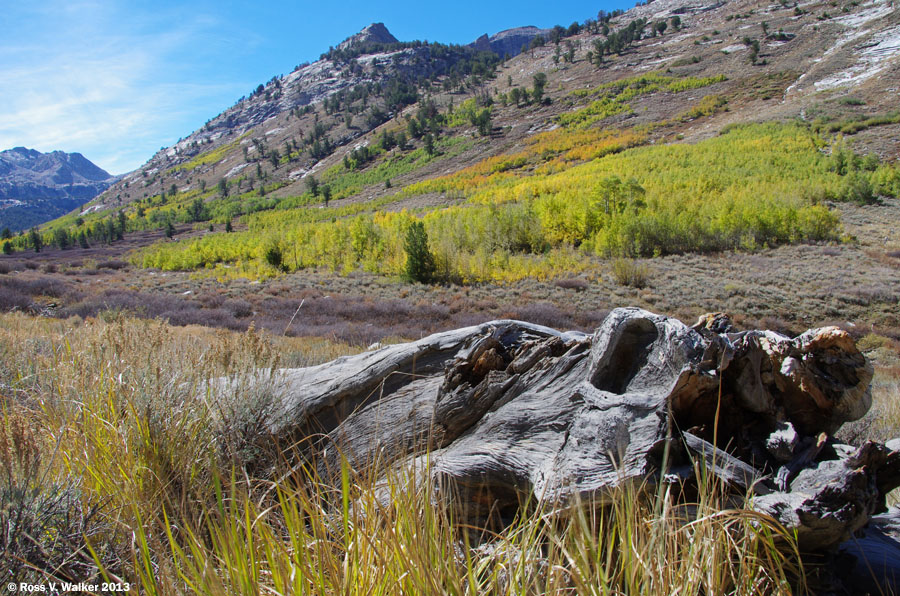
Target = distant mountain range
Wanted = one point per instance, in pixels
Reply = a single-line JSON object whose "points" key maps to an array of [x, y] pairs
{"points": [[36, 187]]}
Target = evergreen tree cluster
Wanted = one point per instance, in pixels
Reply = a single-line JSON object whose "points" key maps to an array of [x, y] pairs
{"points": [[419, 260]]}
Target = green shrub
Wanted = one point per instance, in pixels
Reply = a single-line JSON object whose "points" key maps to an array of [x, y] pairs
{"points": [[274, 256]]}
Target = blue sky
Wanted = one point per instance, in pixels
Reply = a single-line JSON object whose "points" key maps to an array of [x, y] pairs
{"points": [[117, 80]]}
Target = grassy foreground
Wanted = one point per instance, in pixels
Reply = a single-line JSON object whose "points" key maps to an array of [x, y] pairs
{"points": [[115, 464]]}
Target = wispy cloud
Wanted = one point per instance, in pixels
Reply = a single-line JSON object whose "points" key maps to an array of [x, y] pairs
{"points": [[80, 77]]}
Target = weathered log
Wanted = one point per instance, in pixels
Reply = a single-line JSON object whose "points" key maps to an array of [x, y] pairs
{"points": [[510, 412], [875, 556], [829, 500], [726, 467]]}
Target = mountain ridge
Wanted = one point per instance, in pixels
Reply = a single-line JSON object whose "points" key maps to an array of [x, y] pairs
{"points": [[509, 41], [36, 187], [758, 64]]}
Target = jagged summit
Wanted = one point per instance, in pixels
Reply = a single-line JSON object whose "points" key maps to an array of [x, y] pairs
{"points": [[374, 33], [19, 154], [21, 164], [508, 41], [36, 187]]}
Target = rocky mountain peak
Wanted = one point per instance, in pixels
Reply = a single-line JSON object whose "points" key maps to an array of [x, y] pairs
{"points": [[36, 187], [73, 167], [374, 33], [482, 44], [508, 41]]}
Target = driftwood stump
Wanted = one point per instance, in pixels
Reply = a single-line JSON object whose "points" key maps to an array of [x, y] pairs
{"points": [[511, 412]]}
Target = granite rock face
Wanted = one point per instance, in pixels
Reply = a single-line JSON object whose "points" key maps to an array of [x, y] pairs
{"points": [[509, 41], [374, 33]]}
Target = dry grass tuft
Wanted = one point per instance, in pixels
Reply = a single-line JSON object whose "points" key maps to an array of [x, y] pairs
{"points": [[628, 272]]}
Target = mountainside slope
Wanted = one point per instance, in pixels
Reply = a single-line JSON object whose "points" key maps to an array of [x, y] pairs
{"points": [[36, 187], [382, 126], [801, 58]]}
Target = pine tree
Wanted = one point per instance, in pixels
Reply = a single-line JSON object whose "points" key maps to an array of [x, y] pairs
{"points": [[313, 185], [419, 260], [540, 81], [35, 240], [61, 238], [197, 210], [274, 256]]}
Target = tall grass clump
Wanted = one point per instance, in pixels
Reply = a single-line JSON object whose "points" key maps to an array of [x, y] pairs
{"points": [[105, 425], [628, 272], [384, 534]]}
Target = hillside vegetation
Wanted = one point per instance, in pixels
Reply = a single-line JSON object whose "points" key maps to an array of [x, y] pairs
{"points": [[536, 213], [594, 142]]}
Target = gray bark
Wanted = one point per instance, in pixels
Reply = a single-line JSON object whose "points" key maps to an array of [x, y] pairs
{"points": [[512, 413]]}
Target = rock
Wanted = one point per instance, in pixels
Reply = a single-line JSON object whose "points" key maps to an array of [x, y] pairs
{"points": [[374, 33], [509, 41], [509, 412], [482, 44]]}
